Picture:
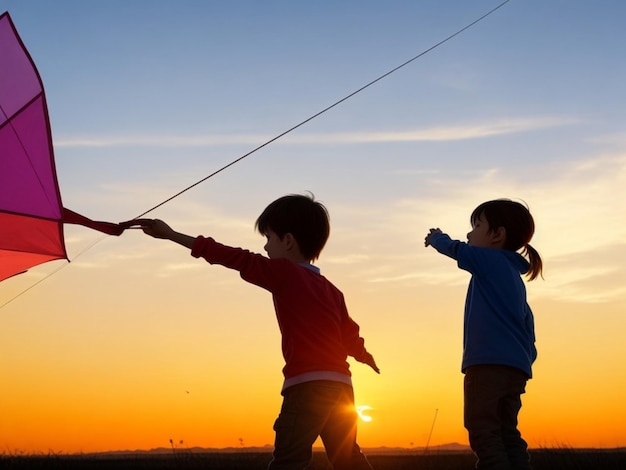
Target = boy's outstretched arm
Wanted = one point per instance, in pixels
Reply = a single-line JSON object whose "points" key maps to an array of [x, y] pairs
{"points": [[158, 229]]}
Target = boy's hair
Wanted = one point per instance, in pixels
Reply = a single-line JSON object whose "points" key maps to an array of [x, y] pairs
{"points": [[302, 216], [519, 225]]}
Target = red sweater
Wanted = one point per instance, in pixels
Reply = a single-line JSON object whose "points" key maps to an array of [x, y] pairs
{"points": [[317, 332]]}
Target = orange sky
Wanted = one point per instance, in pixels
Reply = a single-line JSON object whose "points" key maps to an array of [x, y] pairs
{"points": [[126, 372], [135, 343]]}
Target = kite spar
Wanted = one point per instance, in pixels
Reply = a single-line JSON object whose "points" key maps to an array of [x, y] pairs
{"points": [[31, 211]]}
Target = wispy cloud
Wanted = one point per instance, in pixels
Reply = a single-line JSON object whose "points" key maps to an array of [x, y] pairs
{"points": [[348, 259], [446, 133], [466, 131], [617, 139], [160, 140]]}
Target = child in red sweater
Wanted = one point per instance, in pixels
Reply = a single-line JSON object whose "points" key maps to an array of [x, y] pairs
{"points": [[317, 332]]}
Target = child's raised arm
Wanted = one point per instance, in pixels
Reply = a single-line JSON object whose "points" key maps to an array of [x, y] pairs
{"points": [[432, 232], [158, 229]]}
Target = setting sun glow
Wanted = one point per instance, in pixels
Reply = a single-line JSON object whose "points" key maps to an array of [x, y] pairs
{"points": [[361, 411], [137, 345]]}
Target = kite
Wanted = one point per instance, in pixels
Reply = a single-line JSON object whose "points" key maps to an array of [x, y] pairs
{"points": [[31, 212]]}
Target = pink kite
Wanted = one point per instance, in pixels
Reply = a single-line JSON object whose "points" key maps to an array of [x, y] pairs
{"points": [[31, 211]]}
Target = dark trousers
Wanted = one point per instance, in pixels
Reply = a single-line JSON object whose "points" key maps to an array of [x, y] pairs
{"points": [[492, 403], [311, 409]]}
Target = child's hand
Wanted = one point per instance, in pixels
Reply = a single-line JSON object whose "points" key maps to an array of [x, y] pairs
{"points": [[369, 360], [154, 227], [158, 229], [432, 232]]}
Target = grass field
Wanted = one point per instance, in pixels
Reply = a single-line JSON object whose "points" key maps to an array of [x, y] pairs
{"points": [[542, 459]]}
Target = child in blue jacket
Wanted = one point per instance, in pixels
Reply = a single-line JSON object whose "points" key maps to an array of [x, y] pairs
{"points": [[498, 336]]}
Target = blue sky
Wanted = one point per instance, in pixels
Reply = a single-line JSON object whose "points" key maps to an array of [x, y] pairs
{"points": [[148, 97], [150, 85], [188, 86]]}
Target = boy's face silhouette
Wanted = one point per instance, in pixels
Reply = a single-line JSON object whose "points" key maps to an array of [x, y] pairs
{"points": [[286, 247], [277, 247]]}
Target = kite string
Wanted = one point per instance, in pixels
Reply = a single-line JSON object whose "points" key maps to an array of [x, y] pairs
{"points": [[33, 285], [276, 138], [52, 273], [328, 108]]}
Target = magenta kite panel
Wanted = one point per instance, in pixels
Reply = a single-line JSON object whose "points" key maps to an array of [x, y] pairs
{"points": [[31, 227]]}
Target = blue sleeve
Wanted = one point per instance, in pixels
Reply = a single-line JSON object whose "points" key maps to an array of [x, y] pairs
{"points": [[445, 245], [469, 258]]}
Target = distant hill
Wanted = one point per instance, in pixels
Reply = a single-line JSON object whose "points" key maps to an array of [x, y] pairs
{"points": [[444, 448]]}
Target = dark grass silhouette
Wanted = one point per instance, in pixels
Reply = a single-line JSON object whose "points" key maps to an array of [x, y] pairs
{"points": [[542, 459]]}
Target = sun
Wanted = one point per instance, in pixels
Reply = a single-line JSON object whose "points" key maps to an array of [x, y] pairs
{"points": [[361, 412]]}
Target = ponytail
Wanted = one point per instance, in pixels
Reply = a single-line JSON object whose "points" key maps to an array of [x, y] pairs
{"points": [[536, 264]]}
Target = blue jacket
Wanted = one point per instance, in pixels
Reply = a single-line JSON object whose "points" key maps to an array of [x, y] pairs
{"points": [[498, 323]]}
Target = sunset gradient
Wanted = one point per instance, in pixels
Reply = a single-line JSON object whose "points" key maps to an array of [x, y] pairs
{"points": [[135, 343]]}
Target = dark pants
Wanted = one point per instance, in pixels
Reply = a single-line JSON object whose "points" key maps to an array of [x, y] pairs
{"points": [[311, 409], [492, 403]]}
